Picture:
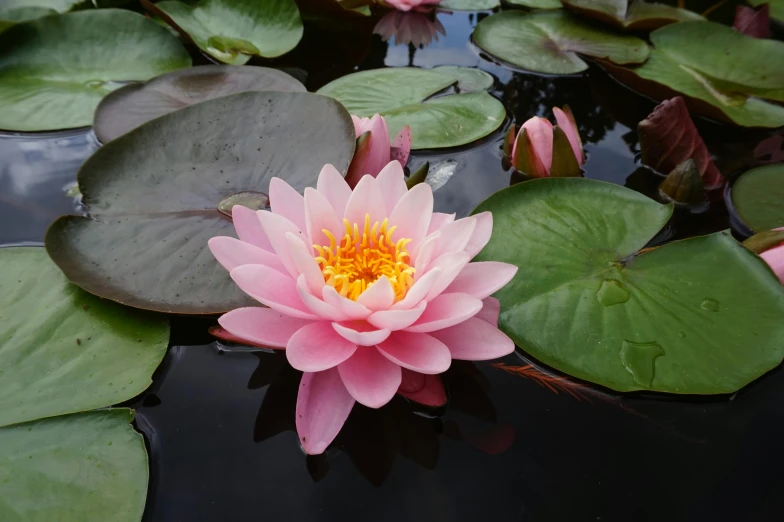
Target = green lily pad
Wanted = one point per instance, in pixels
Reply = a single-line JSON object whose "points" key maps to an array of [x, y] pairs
{"points": [[631, 14], [699, 316], [398, 93], [758, 197], [63, 350], [233, 31], [128, 107], [469, 5], [551, 42], [86, 467], [60, 6], [776, 7], [726, 58], [537, 4], [55, 70], [660, 78], [469, 79], [154, 195], [15, 15]]}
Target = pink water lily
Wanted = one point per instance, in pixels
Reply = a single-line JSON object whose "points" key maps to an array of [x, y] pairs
{"points": [[533, 150], [369, 291], [774, 257], [375, 151], [407, 5], [409, 27]]}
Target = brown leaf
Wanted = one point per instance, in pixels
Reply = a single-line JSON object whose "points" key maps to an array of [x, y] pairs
{"points": [[668, 137], [752, 22]]}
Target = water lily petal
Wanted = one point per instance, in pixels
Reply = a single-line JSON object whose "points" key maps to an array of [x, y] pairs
{"points": [[482, 279], [248, 227], [451, 265], [323, 405], [392, 183], [231, 253], [276, 227], [418, 290], [317, 347], [438, 220], [306, 265], [378, 296], [397, 319], [262, 326], [446, 310], [420, 352], [540, 134], [361, 333], [423, 389], [775, 259], [482, 233], [475, 340], [401, 146], [351, 308], [366, 199], [491, 310], [270, 287], [425, 254], [332, 186], [378, 155], [287, 202], [455, 235], [317, 306], [370, 377], [319, 216], [569, 126], [412, 214]]}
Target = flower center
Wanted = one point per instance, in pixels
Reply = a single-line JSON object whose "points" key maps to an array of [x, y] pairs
{"points": [[355, 262]]}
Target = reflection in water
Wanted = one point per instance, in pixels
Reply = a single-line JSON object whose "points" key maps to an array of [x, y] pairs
{"points": [[409, 28], [35, 173], [372, 438]]}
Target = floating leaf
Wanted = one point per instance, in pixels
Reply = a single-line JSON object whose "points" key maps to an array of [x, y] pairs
{"points": [[537, 4], [668, 137], [758, 197], [55, 70], [634, 15], [776, 7], [63, 350], [661, 78], [469, 79], [398, 93], [700, 316], [153, 195], [727, 59], [86, 467], [60, 6], [752, 22], [469, 5], [233, 31], [14, 15], [684, 184], [759, 243], [127, 108], [550, 42]]}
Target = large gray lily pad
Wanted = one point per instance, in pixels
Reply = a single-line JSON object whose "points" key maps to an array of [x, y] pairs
{"points": [[469, 5], [232, 31], [128, 107], [63, 350], [397, 94], [14, 15], [699, 316], [55, 70], [537, 4], [153, 195], [86, 467], [631, 14], [758, 197], [552, 41]]}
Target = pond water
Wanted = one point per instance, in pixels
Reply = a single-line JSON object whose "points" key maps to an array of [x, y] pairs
{"points": [[218, 420]]}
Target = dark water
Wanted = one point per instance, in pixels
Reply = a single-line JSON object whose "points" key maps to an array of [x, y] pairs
{"points": [[219, 424]]}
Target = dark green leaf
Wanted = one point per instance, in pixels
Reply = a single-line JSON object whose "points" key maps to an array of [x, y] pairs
{"points": [[758, 197]]}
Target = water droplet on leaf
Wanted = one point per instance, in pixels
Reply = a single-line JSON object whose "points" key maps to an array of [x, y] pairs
{"points": [[639, 359], [612, 293], [710, 304]]}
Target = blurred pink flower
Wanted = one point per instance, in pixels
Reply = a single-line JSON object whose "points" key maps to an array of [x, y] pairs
{"points": [[367, 290], [409, 28], [537, 159], [407, 5], [774, 257], [376, 151]]}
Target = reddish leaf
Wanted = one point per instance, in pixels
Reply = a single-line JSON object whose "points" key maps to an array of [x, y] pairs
{"points": [[668, 137], [752, 22]]}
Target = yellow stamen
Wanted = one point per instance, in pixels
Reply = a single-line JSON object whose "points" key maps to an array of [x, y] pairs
{"points": [[354, 263]]}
